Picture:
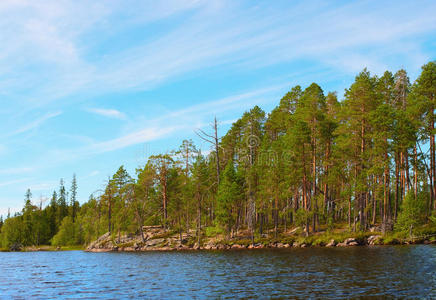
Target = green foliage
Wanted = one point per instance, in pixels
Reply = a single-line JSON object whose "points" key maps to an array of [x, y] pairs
{"points": [[229, 194], [212, 231], [70, 233], [11, 233], [412, 211]]}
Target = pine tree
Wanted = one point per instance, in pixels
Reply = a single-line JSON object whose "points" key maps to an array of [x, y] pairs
{"points": [[425, 90], [73, 198], [62, 206], [230, 193]]}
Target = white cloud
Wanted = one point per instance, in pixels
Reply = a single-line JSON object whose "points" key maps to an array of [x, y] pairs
{"points": [[136, 137], [43, 186], [12, 182], [64, 36], [35, 123], [15, 171], [110, 113], [185, 120]]}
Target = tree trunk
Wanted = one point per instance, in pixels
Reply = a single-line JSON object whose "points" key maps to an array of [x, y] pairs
{"points": [[415, 172]]}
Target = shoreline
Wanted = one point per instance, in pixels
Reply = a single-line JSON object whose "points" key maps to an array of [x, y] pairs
{"points": [[160, 240], [219, 247], [187, 249]]}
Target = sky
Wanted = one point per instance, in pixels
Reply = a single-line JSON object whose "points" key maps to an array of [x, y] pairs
{"points": [[88, 86]]}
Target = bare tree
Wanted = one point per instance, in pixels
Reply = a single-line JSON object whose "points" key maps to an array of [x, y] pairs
{"points": [[214, 140]]}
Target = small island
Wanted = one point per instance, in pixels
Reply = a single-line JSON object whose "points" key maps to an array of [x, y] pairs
{"points": [[315, 171]]}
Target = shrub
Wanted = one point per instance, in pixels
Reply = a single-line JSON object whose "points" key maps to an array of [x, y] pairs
{"points": [[69, 233], [412, 212]]}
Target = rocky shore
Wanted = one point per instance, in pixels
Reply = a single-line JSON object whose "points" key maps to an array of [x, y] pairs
{"points": [[156, 238]]}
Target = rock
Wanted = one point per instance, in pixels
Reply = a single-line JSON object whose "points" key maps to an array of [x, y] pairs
{"points": [[303, 245], [95, 250], [372, 240], [293, 231], [237, 246], [154, 242], [208, 247], [15, 247], [332, 243], [280, 245], [348, 242], [286, 246]]}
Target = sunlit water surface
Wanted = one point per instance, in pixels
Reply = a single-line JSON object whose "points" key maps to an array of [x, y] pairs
{"points": [[403, 271]]}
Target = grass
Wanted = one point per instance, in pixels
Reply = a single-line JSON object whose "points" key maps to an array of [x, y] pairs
{"points": [[213, 231]]}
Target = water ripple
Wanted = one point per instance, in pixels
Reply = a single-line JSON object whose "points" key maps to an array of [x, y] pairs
{"points": [[404, 272]]}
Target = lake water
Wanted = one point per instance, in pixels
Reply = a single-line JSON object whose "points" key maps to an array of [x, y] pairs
{"points": [[403, 271]]}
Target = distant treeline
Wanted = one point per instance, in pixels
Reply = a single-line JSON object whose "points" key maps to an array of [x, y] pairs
{"points": [[314, 162]]}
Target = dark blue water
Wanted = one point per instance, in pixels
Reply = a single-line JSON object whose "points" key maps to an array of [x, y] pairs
{"points": [[407, 271]]}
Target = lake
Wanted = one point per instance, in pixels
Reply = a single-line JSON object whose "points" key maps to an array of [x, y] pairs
{"points": [[393, 271]]}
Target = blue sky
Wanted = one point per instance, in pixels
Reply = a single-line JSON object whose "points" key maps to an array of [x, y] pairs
{"points": [[86, 86]]}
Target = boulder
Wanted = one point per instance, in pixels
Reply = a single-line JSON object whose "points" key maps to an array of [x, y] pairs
{"points": [[372, 240], [154, 242], [332, 243], [348, 242]]}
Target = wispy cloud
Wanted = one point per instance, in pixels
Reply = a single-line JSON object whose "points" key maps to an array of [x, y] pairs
{"points": [[140, 136], [110, 113], [43, 186], [211, 34], [16, 171], [12, 182], [35, 123], [89, 175]]}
